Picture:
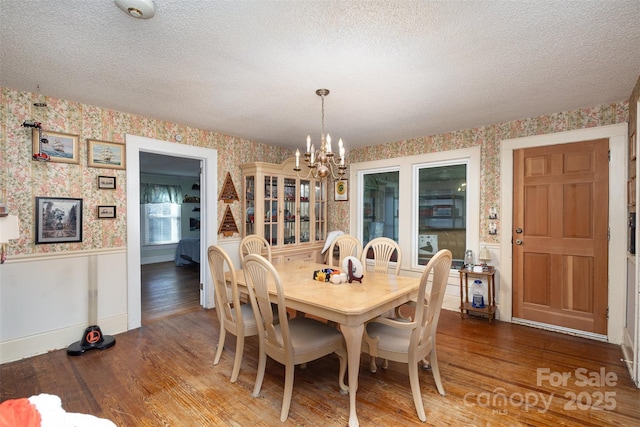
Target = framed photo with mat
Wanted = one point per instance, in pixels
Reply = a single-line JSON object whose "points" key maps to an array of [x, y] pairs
{"points": [[58, 220]]}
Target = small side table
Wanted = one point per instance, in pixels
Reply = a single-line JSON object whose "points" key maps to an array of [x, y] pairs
{"points": [[490, 306]]}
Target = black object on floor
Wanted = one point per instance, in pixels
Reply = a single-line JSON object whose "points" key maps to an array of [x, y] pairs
{"points": [[91, 339]]}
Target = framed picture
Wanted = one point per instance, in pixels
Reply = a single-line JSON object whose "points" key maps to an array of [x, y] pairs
{"points": [[341, 190], [103, 154], [107, 182], [58, 220], [60, 147], [106, 212]]}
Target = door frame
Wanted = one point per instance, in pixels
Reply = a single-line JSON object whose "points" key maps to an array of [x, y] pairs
{"points": [[209, 215], [617, 135]]}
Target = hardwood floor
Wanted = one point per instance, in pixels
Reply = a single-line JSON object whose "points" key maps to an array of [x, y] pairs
{"points": [[169, 290], [162, 374]]}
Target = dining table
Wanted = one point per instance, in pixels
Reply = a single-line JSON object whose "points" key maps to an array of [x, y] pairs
{"points": [[350, 305]]}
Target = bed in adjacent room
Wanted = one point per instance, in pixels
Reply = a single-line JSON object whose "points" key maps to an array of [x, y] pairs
{"points": [[188, 251]]}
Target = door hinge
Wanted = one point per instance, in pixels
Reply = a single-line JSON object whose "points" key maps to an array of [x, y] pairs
{"points": [[609, 155], [608, 234], [607, 312], [201, 286]]}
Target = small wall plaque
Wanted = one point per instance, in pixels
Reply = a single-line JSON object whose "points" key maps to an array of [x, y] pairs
{"points": [[228, 225], [228, 192]]}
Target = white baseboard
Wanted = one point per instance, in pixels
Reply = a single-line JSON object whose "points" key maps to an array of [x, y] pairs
{"points": [[451, 303], [56, 340], [156, 259], [628, 357]]}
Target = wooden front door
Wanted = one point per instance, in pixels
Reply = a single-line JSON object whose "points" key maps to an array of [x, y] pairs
{"points": [[560, 235]]}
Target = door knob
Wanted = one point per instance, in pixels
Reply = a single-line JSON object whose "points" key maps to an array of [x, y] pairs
{"points": [[518, 242]]}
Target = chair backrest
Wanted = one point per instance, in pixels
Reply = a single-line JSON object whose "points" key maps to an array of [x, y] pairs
{"points": [[259, 274], [254, 244], [219, 262], [428, 307], [347, 246], [383, 249]]}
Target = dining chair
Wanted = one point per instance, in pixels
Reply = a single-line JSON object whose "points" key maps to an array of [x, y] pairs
{"points": [[383, 249], [254, 244], [413, 341], [235, 318], [347, 245], [290, 341]]}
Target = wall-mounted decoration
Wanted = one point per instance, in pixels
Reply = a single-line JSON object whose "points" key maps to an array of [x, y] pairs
{"points": [[103, 154], [228, 192], [228, 225], [60, 147], [194, 224], [493, 213], [190, 199], [106, 212], [493, 229], [58, 220], [107, 182], [341, 192]]}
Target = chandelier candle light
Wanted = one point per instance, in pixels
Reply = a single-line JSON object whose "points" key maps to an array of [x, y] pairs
{"points": [[322, 162]]}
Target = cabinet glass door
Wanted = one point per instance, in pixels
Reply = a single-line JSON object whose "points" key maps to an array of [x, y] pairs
{"points": [[320, 209], [249, 197], [305, 228], [289, 214], [271, 209]]}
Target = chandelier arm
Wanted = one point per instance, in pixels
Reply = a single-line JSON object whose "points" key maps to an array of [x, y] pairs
{"points": [[303, 177]]}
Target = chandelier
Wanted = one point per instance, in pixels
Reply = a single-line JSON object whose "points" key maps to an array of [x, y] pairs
{"points": [[322, 162]]}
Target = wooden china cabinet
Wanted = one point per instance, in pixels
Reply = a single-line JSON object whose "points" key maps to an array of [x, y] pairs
{"points": [[290, 212]]}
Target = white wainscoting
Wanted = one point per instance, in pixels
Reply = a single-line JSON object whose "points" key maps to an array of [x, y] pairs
{"points": [[46, 300]]}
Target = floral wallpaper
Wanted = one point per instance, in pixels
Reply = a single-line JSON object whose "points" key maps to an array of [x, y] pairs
{"points": [[23, 179], [488, 138]]}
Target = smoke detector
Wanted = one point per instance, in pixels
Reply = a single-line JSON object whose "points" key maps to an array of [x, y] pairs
{"points": [[140, 9]]}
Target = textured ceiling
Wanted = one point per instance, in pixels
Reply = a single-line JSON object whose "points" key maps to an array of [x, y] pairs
{"points": [[396, 69]]}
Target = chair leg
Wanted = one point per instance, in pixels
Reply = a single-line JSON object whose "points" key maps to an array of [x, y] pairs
{"points": [[238, 359], [262, 364], [372, 365], [223, 333], [435, 370], [289, 371], [426, 365], [415, 390], [342, 355], [372, 349]]}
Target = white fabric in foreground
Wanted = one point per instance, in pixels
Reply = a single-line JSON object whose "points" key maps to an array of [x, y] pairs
{"points": [[330, 238], [52, 415]]}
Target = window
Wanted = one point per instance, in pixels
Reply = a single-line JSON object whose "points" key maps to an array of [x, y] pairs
{"points": [[441, 210], [160, 223], [380, 206], [422, 202], [160, 213]]}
